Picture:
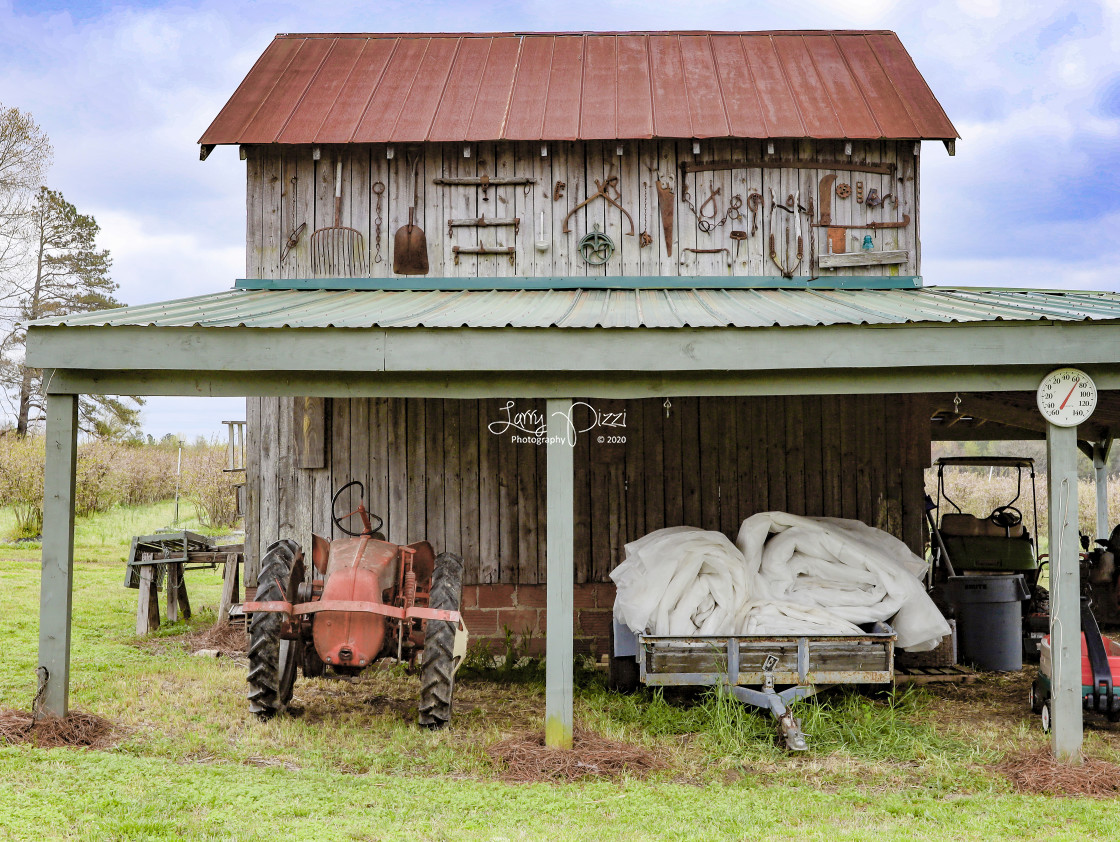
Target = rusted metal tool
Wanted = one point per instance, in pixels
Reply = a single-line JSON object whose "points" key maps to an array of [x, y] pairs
{"points": [[724, 250], [873, 200], [842, 166], [602, 191], [378, 189], [410, 246], [824, 194], [293, 238], [844, 190], [754, 204], [738, 237], [483, 222], [787, 271], [483, 250], [558, 191], [338, 251], [859, 192], [665, 203], [483, 181], [902, 223]]}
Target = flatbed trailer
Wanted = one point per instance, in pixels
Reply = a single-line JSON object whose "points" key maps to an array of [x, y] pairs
{"points": [[765, 671]]}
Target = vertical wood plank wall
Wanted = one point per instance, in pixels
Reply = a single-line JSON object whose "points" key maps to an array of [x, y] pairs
{"points": [[287, 188], [434, 470]]}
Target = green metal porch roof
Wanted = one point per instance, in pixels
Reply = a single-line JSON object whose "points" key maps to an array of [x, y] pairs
{"points": [[593, 308]]}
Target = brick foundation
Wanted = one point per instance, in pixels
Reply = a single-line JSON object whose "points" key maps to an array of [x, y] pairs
{"points": [[489, 610]]}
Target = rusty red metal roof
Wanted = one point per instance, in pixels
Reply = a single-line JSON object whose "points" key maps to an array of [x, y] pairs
{"points": [[402, 88]]}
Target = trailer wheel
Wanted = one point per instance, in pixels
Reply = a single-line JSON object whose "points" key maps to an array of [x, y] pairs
{"points": [[1046, 717], [1035, 698], [437, 673], [272, 660]]}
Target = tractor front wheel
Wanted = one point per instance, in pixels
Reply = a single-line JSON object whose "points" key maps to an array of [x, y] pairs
{"points": [[437, 673], [273, 660]]}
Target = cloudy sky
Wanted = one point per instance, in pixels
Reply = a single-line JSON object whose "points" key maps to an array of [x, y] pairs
{"points": [[124, 89]]}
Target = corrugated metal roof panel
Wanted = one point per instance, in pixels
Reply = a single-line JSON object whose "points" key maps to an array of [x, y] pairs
{"points": [[376, 88], [607, 308]]}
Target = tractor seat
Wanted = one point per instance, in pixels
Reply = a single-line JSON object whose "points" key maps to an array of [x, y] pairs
{"points": [[961, 525]]}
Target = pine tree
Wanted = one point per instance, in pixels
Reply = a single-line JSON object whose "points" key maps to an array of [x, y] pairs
{"points": [[67, 274]]}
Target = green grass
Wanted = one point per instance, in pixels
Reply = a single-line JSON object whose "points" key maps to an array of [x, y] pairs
{"points": [[191, 763]]}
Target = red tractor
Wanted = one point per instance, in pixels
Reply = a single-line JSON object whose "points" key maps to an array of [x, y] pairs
{"points": [[367, 599]]}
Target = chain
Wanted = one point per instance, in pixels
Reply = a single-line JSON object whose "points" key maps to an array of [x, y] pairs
{"points": [[379, 192], [705, 224], [43, 675]]}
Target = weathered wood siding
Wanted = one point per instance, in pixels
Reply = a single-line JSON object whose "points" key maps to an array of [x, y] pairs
{"points": [[287, 188], [434, 470]]}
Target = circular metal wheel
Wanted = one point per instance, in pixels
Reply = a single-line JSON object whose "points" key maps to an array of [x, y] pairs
{"points": [[1035, 698], [437, 672], [596, 247], [273, 660], [1045, 717]]}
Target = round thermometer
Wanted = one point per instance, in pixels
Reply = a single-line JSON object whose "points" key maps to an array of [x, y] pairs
{"points": [[1067, 397]]}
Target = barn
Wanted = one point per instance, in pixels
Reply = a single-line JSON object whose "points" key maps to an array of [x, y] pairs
{"points": [[545, 293]]}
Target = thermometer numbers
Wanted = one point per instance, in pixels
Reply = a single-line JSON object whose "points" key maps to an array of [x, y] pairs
{"points": [[1067, 397]]}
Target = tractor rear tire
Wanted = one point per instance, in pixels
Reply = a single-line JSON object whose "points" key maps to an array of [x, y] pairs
{"points": [[437, 672], [272, 660]]}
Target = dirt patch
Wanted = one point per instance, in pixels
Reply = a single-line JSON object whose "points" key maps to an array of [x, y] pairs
{"points": [[1038, 772], [228, 639], [526, 759], [76, 730]]}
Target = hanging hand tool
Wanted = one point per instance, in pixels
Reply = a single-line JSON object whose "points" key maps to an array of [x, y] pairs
{"points": [[483, 181], [711, 251], [644, 239], [338, 251], [754, 204], [873, 200], [293, 238], [712, 199], [738, 237], [842, 166], [825, 196], [483, 222], [665, 203], [378, 191], [602, 191], [902, 223], [410, 246], [483, 250], [787, 272]]}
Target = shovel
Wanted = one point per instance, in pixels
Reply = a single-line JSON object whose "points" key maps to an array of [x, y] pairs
{"points": [[338, 251], [410, 246]]}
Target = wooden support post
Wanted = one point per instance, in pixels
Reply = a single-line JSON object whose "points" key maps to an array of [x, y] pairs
{"points": [[147, 603], [174, 574], [1101, 451], [229, 586], [560, 465], [56, 584], [1065, 594]]}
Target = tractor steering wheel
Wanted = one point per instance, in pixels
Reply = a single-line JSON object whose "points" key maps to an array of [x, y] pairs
{"points": [[1006, 517], [337, 519]]}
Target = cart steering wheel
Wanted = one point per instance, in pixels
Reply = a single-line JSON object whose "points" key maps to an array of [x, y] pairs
{"points": [[1006, 517], [368, 528]]}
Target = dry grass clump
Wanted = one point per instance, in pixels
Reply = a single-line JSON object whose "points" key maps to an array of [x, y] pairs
{"points": [[230, 640], [1038, 772], [526, 759], [76, 730]]}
